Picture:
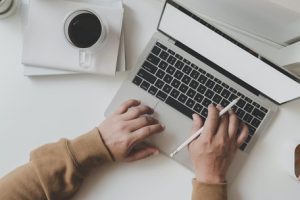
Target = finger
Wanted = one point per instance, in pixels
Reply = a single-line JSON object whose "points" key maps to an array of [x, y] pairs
{"points": [[223, 127], [126, 105], [197, 123], [234, 123], [212, 121], [143, 133], [136, 112], [141, 122], [142, 154], [243, 135]]}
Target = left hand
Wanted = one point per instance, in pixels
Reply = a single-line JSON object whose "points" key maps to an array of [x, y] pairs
{"points": [[124, 131]]}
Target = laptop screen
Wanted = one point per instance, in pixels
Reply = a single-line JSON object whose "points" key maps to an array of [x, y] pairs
{"points": [[234, 58]]}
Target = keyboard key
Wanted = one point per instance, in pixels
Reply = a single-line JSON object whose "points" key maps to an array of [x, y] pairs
{"points": [[149, 67], [159, 83], [258, 114], [209, 76], [224, 103], [225, 85], [248, 100], [232, 90], [248, 118], [186, 79], [156, 50], [171, 60], [234, 108], [179, 65], [225, 93], [163, 65], [183, 88], [217, 80], [255, 122], [161, 46], [202, 79], [147, 76], [164, 55], [179, 107], [153, 90], [171, 52], [137, 80], [199, 97], [191, 93], [194, 66], [195, 74], [241, 103], [179, 57], [210, 84], [255, 104], [167, 89], [186, 61], [218, 89], [264, 109], [240, 113], [217, 99], [175, 93], [178, 74], [243, 146], [201, 89], [175, 83], [204, 112], [160, 74], [194, 84], [145, 85], [153, 59], [171, 70], [251, 130], [248, 139], [201, 71], [248, 108], [161, 95], [187, 69], [206, 102], [198, 108], [190, 103], [168, 78], [209, 94], [232, 97]]}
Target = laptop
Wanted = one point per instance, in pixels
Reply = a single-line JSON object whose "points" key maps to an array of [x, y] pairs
{"points": [[189, 64]]}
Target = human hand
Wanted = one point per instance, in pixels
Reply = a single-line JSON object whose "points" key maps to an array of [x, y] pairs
{"points": [[124, 131], [215, 148]]}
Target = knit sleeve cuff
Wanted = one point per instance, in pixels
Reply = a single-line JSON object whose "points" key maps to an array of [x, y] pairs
{"points": [[209, 191], [89, 151]]}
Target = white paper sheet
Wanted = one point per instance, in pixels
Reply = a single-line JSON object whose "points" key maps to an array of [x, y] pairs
{"points": [[229, 56]]}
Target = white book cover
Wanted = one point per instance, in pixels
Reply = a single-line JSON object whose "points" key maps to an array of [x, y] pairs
{"points": [[45, 44]]}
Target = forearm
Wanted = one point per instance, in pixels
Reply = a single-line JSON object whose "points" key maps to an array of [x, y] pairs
{"points": [[56, 170], [203, 191]]}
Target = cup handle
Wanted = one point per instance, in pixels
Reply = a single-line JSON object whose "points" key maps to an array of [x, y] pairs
{"points": [[85, 59]]}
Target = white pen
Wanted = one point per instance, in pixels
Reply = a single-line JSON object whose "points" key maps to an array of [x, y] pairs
{"points": [[195, 135]]}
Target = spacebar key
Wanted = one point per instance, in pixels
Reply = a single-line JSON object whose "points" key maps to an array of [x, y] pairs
{"points": [[179, 107]]}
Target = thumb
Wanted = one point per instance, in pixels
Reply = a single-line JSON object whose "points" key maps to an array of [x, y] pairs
{"points": [[141, 153], [197, 123]]}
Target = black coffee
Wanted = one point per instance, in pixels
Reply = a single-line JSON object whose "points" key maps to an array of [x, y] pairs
{"points": [[84, 30]]}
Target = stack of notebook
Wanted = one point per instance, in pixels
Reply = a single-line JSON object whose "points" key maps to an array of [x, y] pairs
{"points": [[47, 51]]}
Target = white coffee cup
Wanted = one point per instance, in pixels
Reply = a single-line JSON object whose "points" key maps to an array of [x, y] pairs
{"points": [[85, 31], [7, 7]]}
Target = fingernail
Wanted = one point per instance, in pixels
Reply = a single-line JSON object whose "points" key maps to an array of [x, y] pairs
{"points": [[163, 126], [155, 153]]}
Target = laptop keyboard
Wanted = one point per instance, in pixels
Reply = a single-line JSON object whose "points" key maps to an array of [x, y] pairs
{"points": [[189, 89]]}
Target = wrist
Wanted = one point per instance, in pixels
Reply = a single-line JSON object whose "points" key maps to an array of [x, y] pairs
{"points": [[211, 179]]}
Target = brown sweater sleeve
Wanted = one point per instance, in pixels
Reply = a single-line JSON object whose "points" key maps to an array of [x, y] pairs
{"points": [[204, 191], [55, 171]]}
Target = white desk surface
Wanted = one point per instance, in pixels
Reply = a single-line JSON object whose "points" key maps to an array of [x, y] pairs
{"points": [[34, 111]]}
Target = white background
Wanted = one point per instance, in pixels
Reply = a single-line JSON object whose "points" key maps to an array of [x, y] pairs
{"points": [[34, 111]]}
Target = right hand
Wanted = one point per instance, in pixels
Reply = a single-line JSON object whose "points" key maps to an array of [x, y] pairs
{"points": [[125, 130], [213, 151]]}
